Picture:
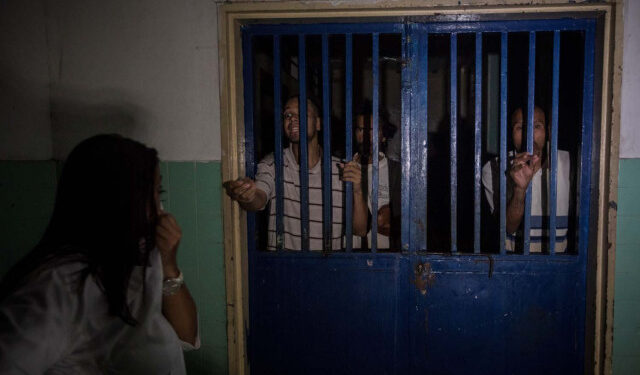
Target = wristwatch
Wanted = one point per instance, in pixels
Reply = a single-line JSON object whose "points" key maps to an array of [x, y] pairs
{"points": [[172, 285]]}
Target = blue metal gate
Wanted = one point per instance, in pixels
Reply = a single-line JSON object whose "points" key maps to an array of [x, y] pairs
{"points": [[418, 310]]}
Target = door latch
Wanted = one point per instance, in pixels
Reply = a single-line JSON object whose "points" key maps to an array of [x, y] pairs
{"points": [[424, 277]]}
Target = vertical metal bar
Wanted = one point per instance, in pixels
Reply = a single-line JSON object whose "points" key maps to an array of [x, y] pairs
{"points": [[530, 111], [250, 167], [277, 125], [553, 175], [327, 183], [423, 138], [503, 141], [585, 169], [407, 74], [418, 171], [375, 52], [454, 141], [478, 145], [304, 149], [348, 93]]}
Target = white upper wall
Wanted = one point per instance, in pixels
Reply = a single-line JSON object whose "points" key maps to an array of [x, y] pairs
{"points": [[630, 111], [25, 128], [147, 69]]}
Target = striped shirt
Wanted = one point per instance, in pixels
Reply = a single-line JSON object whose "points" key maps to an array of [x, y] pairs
{"points": [[265, 181], [539, 233]]}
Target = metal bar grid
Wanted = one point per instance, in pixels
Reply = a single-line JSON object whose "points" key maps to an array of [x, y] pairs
{"points": [[408, 135]]}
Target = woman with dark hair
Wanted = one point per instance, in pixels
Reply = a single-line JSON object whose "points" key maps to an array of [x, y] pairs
{"points": [[101, 292]]}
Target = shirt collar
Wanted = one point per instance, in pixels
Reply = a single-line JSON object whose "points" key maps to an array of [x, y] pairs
{"points": [[290, 160]]}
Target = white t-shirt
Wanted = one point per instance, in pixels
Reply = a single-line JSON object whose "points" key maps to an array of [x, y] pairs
{"points": [[265, 181], [383, 198], [539, 233], [47, 327]]}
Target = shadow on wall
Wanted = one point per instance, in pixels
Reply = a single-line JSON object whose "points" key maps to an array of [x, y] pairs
{"points": [[80, 114], [24, 116]]}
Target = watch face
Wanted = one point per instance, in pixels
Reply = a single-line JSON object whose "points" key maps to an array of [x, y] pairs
{"points": [[171, 286]]}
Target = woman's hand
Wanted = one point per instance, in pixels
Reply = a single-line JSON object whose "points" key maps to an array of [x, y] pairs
{"points": [[178, 308], [168, 235]]}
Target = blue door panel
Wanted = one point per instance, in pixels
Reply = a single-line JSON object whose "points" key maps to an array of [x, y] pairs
{"points": [[509, 322], [327, 315], [349, 315]]}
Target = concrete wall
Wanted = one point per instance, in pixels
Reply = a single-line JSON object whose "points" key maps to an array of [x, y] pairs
{"points": [[147, 69], [25, 128]]}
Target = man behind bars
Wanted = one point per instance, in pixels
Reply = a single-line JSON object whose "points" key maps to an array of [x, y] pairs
{"points": [[524, 169], [363, 136], [254, 195]]}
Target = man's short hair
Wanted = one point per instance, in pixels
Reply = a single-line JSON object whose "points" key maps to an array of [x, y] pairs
{"points": [[365, 109], [311, 102]]}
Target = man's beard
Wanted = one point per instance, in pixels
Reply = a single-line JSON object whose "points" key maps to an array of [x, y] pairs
{"points": [[365, 151]]}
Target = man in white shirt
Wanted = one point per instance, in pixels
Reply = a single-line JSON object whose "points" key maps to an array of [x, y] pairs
{"points": [[364, 142], [525, 169], [254, 195]]}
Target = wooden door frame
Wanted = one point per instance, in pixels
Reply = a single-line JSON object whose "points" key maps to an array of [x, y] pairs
{"points": [[231, 16]]}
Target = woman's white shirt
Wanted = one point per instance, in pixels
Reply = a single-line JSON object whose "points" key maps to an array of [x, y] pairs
{"points": [[48, 327]]}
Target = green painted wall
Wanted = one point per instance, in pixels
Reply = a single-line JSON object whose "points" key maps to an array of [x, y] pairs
{"points": [[27, 192], [193, 195], [626, 324]]}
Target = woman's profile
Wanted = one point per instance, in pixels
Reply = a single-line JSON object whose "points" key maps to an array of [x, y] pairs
{"points": [[101, 292]]}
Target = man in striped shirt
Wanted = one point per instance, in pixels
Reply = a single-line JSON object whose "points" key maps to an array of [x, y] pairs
{"points": [[255, 195]]}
